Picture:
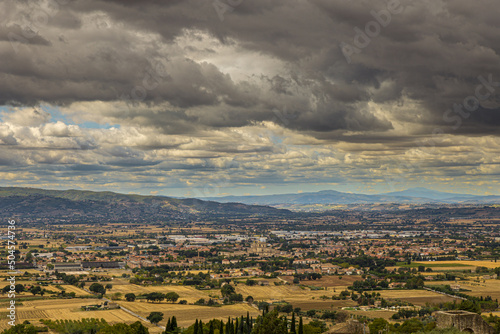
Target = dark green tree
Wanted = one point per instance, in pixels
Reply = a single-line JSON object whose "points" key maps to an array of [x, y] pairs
{"points": [[195, 330], [301, 326], [227, 290], [155, 317], [130, 297], [172, 296], [211, 328], [292, 324], [271, 323], [97, 288], [21, 329], [378, 325], [200, 327]]}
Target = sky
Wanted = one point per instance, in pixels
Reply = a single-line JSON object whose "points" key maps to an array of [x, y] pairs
{"points": [[233, 97]]}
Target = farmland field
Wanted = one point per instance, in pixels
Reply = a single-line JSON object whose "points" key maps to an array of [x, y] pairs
{"points": [[448, 264], [339, 282], [185, 292], [281, 292], [67, 309], [323, 304], [416, 297], [489, 288], [186, 314], [71, 288]]}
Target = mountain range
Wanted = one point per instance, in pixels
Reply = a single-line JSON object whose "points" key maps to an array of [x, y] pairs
{"points": [[89, 206], [410, 196], [33, 204]]}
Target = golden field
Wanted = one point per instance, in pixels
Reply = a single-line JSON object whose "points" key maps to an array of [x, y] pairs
{"points": [[69, 309], [487, 264], [289, 293], [185, 292], [489, 287], [186, 314], [416, 297]]}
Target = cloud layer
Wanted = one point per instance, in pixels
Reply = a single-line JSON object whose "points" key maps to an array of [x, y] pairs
{"points": [[180, 97]]}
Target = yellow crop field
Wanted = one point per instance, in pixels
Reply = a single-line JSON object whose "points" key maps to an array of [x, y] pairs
{"points": [[71, 288], [374, 314], [485, 288], [185, 292], [316, 304], [416, 297], [69, 309], [186, 314], [487, 264], [282, 292]]}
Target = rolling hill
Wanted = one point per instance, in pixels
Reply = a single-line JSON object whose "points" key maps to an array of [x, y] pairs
{"points": [[89, 206], [409, 196]]}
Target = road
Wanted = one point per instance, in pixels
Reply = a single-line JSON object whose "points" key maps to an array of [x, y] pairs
{"points": [[125, 309]]}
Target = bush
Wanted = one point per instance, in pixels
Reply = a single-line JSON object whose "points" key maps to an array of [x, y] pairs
{"points": [[172, 296], [97, 288], [155, 317], [130, 297], [236, 297], [251, 282], [200, 301]]}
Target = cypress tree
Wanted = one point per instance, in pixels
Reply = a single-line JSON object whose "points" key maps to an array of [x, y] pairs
{"points": [[301, 326], [196, 327], [292, 325], [200, 327], [173, 324], [168, 326], [248, 324], [211, 328]]}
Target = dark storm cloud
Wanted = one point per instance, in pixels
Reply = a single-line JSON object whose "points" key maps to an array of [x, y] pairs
{"points": [[15, 34], [430, 54]]}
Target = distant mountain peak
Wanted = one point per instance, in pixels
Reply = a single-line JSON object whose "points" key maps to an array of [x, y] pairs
{"points": [[416, 195]]}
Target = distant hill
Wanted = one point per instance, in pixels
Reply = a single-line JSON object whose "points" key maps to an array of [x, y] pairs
{"points": [[321, 197], [409, 196], [429, 193], [90, 206]]}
